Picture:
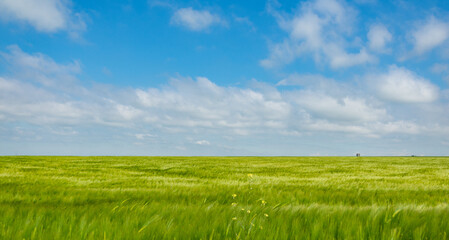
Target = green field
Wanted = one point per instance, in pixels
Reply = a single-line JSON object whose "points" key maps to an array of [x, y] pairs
{"points": [[224, 197]]}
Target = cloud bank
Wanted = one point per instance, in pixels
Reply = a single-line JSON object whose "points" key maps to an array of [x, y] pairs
{"points": [[55, 96]]}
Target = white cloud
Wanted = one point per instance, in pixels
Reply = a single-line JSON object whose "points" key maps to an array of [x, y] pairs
{"points": [[43, 91], [45, 15], [323, 85], [402, 85], [202, 142], [308, 27], [339, 58], [367, 129], [340, 13], [280, 54], [378, 38], [320, 28], [37, 62], [201, 103], [200, 109], [143, 136], [195, 20], [40, 68], [429, 35], [397, 127], [339, 109], [128, 112], [326, 126]]}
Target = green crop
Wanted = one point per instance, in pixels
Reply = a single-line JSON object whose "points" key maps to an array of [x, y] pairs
{"points": [[224, 197]]}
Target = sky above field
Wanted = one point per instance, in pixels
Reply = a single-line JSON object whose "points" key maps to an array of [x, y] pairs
{"points": [[317, 77]]}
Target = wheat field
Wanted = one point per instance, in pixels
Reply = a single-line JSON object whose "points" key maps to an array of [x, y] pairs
{"points": [[45, 197]]}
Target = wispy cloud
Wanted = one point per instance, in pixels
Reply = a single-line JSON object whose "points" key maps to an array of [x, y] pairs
{"points": [[196, 20], [47, 16], [246, 21], [319, 28], [40, 68], [430, 35], [378, 38]]}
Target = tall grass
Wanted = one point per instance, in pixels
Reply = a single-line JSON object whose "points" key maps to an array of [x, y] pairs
{"points": [[224, 197]]}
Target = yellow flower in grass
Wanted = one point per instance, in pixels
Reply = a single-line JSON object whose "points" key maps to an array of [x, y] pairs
{"points": [[264, 202], [234, 218], [266, 215], [234, 195], [249, 211], [250, 175], [234, 204], [243, 209]]}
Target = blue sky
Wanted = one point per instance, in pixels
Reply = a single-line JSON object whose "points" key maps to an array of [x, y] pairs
{"points": [[317, 77]]}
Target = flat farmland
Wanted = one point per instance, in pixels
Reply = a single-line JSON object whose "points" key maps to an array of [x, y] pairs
{"points": [[224, 197]]}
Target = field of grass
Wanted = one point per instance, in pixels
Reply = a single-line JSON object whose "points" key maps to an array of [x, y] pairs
{"points": [[224, 197]]}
